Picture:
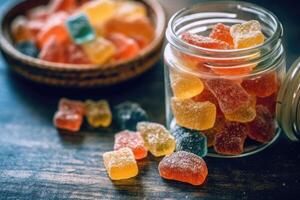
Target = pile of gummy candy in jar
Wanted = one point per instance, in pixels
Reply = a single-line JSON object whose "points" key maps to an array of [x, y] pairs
{"points": [[84, 32], [227, 111]]}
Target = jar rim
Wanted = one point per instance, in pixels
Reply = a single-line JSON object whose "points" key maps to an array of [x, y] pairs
{"points": [[173, 38]]}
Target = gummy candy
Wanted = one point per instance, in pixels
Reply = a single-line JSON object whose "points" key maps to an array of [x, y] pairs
{"points": [[193, 115], [231, 96], [34, 27], [128, 114], [230, 141], [190, 141], [262, 128], [222, 32], [130, 9], [245, 113], [54, 27], [269, 102], [71, 105], [28, 48], [211, 133], [206, 95], [68, 120], [262, 86], [126, 47], [183, 166], [139, 28], [80, 29], [19, 29], [120, 164], [38, 13], [185, 85], [99, 51], [52, 51], [75, 55], [132, 140], [62, 5], [157, 138], [99, 11], [98, 113], [204, 42], [247, 34]]}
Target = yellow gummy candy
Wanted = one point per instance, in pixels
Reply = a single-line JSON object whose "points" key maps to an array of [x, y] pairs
{"points": [[244, 114], [185, 85], [194, 115], [120, 164], [98, 113], [99, 50], [247, 34], [157, 138], [130, 9]]}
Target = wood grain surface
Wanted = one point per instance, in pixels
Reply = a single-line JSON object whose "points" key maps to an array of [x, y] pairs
{"points": [[36, 162]]}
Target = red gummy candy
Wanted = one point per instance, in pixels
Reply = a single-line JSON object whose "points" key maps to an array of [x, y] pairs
{"points": [[70, 121], [230, 95], [62, 5], [35, 26], [269, 102], [206, 95], [222, 32], [231, 139], [38, 13], [204, 42], [126, 47], [262, 86], [72, 106], [52, 51], [262, 128], [183, 166], [132, 140], [75, 55]]}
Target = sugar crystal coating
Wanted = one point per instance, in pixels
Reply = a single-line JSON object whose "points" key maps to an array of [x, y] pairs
{"points": [[222, 32], [183, 166], [157, 138], [66, 120], [120, 164]]}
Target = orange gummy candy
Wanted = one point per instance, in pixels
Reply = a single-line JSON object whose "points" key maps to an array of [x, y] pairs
{"points": [[126, 47], [70, 121], [183, 166], [52, 51], [222, 32], [62, 5]]}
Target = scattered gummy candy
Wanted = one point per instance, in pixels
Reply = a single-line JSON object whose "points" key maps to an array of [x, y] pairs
{"points": [[157, 138], [120, 164], [98, 113], [183, 166], [132, 140], [190, 141], [128, 114]]}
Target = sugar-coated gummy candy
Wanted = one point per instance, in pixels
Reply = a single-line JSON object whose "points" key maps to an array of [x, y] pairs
{"points": [[139, 28], [245, 113], [80, 29], [193, 115], [247, 34], [71, 105], [54, 27], [231, 96], [38, 13], [185, 85], [99, 51], [157, 138], [130, 9], [126, 47], [262, 128], [68, 120], [75, 55], [183, 166], [19, 29], [222, 32], [202, 41], [211, 133], [52, 51], [128, 114], [99, 11], [269, 102], [132, 140], [230, 140], [190, 141], [98, 113], [35, 26], [62, 5], [120, 164], [262, 86], [28, 48]]}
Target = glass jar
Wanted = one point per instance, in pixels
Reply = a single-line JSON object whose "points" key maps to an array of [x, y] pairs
{"points": [[230, 95]]}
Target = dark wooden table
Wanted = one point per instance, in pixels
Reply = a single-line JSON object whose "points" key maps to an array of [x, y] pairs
{"points": [[38, 163]]}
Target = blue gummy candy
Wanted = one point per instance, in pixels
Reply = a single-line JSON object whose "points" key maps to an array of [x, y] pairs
{"points": [[128, 114], [80, 29], [190, 141], [28, 48]]}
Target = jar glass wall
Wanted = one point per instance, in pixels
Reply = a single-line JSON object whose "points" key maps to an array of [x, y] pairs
{"points": [[224, 91]]}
